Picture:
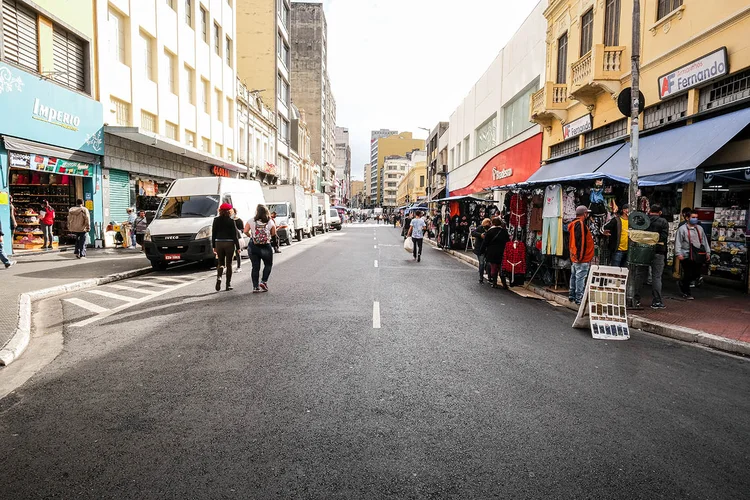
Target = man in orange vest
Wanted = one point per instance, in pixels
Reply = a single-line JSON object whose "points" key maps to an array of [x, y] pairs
{"points": [[581, 253]]}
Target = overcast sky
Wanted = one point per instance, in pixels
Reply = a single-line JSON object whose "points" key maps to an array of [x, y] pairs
{"points": [[380, 53]]}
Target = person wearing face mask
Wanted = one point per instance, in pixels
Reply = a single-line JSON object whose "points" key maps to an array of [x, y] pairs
{"points": [[617, 230], [693, 251]]}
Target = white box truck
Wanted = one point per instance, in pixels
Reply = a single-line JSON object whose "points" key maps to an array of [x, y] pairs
{"points": [[288, 201], [324, 205], [181, 229], [313, 213]]}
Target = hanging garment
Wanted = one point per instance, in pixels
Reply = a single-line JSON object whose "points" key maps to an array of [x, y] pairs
{"points": [[553, 201], [569, 205], [536, 219], [517, 210], [552, 237], [514, 258]]}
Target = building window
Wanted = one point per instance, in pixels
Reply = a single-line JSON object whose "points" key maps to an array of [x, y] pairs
{"points": [[205, 145], [587, 31], [283, 130], [189, 12], [230, 154], [565, 148], [284, 13], [725, 91], [20, 35], [148, 122], [665, 112], [666, 6], [219, 106], [516, 114], [170, 130], [230, 114], [204, 24], [283, 89], [190, 138], [466, 148], [204, 96], [562, 60], [421, 181], [171, 77], [218, 150], [487, 136], [170, 3], [122, 112], [282, 50], [612, 23], [189, 83], [116, 35], [228, 51], [217, 39], [69, 59], [606, 133], [147, 50]]}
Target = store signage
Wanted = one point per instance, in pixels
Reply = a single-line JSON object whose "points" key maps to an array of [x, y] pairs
{"points": [[50, 164], [19, 160], [498, 175], [55, 116], [698, 72], [220, 171], [577, 127]]}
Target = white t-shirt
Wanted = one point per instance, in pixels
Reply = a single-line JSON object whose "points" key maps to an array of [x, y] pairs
{"points": [[252, 225], [417, 228], [552, 201]]}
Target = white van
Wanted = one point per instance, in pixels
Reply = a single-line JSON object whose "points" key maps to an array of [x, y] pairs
{"points": [[334, 219], [181, 230], [288, 201]]}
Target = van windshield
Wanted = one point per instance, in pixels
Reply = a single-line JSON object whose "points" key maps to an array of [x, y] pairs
{"points": [[184, 207], [334, 213], [280, 209]]}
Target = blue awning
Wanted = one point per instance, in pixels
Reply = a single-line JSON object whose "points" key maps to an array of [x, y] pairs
{"points": [[672, 157], [576, 168]]}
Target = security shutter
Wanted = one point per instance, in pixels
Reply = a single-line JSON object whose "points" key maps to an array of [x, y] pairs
{"points": [[20, 35], [69, 58], [119, 195]]}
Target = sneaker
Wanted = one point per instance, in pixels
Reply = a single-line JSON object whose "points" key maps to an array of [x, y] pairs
{"points": [[658, 305], [218, 284], [229, 288], [687, 297], [10, 263], [419, 258], [256, 290], [263, 287], [238, 270]]}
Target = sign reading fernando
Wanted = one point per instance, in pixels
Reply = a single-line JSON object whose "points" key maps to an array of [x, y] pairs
{"points": [[698, 72], [41, 111]]}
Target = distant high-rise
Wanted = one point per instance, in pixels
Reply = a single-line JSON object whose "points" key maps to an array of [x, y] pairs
{"points": [[343, 162], [398, 144], [372, 181]]}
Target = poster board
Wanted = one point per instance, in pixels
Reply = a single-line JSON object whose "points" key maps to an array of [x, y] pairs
{"points": [[604, 302]]}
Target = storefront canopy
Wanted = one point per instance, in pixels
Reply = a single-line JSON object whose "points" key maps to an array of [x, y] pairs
{"points": [[577, 168], [462, 198], [673, 156]]}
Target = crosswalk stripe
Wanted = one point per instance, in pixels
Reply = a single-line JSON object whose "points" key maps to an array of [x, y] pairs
{"points": [[111, 295], [128, 288], [87, 305], [174, 280], [149, 283]]}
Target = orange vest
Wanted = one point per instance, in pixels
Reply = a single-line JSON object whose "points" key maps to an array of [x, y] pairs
{"points": [[581, 242]]}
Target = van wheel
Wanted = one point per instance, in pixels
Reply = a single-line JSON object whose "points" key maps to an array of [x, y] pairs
{"points": [[299, 234], [312, 233], [158, 265]]}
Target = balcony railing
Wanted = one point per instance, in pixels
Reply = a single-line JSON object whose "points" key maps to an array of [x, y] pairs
{"points": [[581, 71], [612, 62], [550, 100], [601, 69]]}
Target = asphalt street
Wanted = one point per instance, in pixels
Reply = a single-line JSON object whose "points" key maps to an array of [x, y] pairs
{"points": [[462, 392]]}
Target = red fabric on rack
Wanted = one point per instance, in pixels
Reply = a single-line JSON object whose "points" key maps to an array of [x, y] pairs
{"points": [[517, 211], [454, 208], [514, 257]]}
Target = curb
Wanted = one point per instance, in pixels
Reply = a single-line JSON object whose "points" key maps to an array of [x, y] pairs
{"points": [[669, 330], [20, 339]]}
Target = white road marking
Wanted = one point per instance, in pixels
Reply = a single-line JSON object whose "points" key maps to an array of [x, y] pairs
{"points": [[376, 314], [129, 288], [164, 278], [87, 305], [376, 247], [148, 283], [376, 263], [111, 295]]}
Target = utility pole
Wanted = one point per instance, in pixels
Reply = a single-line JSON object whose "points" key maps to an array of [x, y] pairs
{"points": [[635, 106]]}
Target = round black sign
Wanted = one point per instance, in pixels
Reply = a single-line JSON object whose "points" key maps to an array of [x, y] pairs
{"points": [[624, 103]]}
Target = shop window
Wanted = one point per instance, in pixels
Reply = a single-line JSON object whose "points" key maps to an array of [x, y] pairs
{"points": [[562, 59], [612, 23], [122, 112], [606, 133], [564, 148], [20, 35], [487, 136], [665, 112], [666, 6], [69, 59], [587, 32], [516, 113], [149, 122], [725, 91], [171, 131]]}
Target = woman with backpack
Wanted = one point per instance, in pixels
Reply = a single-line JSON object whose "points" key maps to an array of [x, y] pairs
{"points": [[260, 230], [225, 241]]}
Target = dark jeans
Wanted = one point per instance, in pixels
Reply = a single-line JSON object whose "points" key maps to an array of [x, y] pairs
{"points": [[47, 233], [691, 271], [260, 253], [417, 244], [3, 258], [81, 244], [225, 251], [620, 258], [482, 266]]}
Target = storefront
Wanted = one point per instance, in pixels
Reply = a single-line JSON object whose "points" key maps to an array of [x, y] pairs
{"points": [[51, 151]]}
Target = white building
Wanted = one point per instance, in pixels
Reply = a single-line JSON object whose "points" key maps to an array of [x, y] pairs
{"points": [[168, 86], [256, 136], [494, 116], [394, 169], [343, 163]]}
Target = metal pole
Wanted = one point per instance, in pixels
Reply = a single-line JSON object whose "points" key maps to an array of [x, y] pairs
{"points": [[635, 106]]}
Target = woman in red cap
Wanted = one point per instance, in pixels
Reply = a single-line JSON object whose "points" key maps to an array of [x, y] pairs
{"points": [[226, 242]]}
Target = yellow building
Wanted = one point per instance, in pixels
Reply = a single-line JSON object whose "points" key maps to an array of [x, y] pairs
{"points": [[395, 145], [413, 186]]}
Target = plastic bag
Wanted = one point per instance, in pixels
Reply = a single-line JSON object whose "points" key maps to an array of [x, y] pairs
{"points": [[409, 244], [643, 237]]}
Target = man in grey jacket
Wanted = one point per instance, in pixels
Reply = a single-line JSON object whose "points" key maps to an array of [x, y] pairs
{"points": [[692, 249], [79, 223]]}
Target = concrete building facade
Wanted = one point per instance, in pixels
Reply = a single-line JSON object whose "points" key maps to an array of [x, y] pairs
{"points": [[399, 144], [437, 160], [343, 162], [372, 180], [413, 187], [256, 141]]}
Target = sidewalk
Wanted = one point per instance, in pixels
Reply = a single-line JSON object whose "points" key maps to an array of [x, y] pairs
{"points": [[38, 271], [716, 318]]}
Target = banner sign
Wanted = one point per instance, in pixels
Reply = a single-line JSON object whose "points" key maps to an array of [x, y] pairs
{"points": [[50, 164], [577, 127], [605, 303], [698, 72]]}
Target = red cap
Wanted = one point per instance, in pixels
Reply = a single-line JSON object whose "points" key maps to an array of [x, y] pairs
{"points": [[225, 206]]}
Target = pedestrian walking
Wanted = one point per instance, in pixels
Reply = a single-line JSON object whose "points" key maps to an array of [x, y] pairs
{"points": [[494, 247], [225, 241], [140, 225], [275, 237], [79, 223], [12, 207], [131, 221], [46, 220], [260, 230], [416, 231], [3, 259], [693, 251], [581, 248], [479, 234], [240, 228], [658, 225], [617, 230], [407, 225]]}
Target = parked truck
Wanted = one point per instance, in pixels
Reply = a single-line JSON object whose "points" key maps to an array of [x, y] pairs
{"points": [[288, 201], [324, 210], [314, 216]]}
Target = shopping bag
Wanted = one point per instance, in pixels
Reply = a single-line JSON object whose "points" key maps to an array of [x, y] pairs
{"points": [[409, 244]]}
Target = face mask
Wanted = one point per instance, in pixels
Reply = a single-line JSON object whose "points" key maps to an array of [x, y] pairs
{"points": [[693, 220]]}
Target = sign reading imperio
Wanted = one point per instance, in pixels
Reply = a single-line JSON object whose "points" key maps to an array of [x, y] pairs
{"points": [[698, 72], [577, 127]]}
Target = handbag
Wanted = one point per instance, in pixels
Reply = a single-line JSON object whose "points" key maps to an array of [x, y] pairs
{"points": [[409, 244], [697, 254]]}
